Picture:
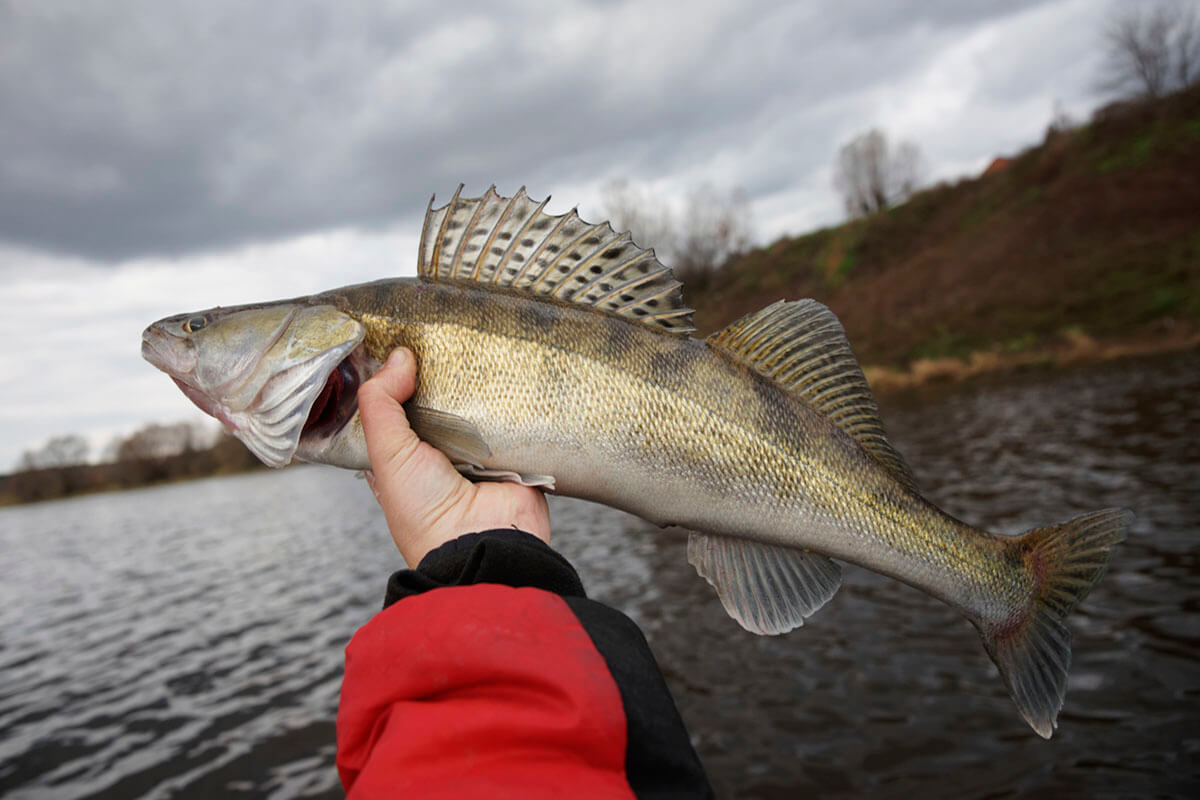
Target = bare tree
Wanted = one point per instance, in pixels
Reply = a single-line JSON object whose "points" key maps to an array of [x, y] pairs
{"points": [[158, 441], [641, 211], [1152, 53], [61, 451], [871, 175], [713, 226], [1061, 122], [1186, 49]]}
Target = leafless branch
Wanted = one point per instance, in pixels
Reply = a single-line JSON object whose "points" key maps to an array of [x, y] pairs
{"points": [[871, 176], [1151, 53]]}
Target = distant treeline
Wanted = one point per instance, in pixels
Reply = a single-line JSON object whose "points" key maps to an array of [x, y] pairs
{"points": [[154, 454]]}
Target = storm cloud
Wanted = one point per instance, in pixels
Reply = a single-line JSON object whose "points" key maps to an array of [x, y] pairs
{"points": [[163, 128]]}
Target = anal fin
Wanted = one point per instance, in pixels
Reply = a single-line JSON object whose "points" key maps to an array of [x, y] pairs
{"points": [[766, 588]]}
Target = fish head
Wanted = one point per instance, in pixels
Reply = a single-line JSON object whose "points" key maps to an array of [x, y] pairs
{"points": [[281, 377]]}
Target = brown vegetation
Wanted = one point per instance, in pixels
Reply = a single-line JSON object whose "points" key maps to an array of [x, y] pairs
{"points": [[1072, 349], [1094, 232]]}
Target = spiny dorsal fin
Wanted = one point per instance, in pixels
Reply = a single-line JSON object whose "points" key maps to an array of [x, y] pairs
{"points": [[512, 243], [802, 346]]}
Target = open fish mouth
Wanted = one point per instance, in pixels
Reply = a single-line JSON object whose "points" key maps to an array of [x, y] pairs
{"points": [[337, 401], [306, 403]]}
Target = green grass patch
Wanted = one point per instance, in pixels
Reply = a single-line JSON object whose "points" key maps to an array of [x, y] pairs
{"points": [[1019, 344], [1121, 283], [1133, 154], [984, 207], [1162, 301], [847, 265], [1032, 194], [1140, 295], [943, 343]]}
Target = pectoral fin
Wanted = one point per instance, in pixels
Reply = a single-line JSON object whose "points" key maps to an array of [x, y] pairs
{"points": [[462, 443], [767, 589], [455, 436]]}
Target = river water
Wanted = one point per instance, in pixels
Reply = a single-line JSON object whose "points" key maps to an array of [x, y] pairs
{"points": [[186, 640]]}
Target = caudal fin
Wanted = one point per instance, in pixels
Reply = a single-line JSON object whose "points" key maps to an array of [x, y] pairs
{"points": [[1033, 651]]}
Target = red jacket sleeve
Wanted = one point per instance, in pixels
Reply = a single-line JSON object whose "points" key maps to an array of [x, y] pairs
{"points": [[479, 691], [490, 674]]}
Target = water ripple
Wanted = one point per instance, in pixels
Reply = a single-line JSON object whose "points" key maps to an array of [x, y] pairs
{"points": [[186, 641]]}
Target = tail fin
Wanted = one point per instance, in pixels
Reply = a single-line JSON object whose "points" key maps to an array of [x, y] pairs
{"points": [[1033, 651]]}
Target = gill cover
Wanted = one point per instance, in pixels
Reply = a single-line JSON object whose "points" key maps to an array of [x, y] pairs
{"points": [[277, 399]]}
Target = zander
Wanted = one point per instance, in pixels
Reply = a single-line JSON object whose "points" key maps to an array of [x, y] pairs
{"points": [[557, 353]]}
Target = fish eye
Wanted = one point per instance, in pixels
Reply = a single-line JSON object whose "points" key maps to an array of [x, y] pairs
{"points": [[194, 324]]}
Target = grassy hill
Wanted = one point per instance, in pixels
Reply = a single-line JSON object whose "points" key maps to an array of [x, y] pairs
{"points": [[1093, 234]]}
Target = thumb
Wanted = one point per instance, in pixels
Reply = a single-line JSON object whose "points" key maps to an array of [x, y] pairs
{"points": [[412, 480], [390, 440]]}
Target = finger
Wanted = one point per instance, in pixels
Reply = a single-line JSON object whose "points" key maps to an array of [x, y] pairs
{"points": [[411, 480], [379, 401], [390, 440]]}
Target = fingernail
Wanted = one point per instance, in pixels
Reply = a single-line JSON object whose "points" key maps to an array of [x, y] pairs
{"points": [[399, 357]]}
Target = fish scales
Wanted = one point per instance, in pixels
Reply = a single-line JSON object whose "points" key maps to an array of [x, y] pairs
{"points": [[681, 410], [556, 353]]}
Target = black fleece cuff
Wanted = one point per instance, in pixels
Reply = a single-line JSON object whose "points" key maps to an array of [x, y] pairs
{"points": [[505, 556]]}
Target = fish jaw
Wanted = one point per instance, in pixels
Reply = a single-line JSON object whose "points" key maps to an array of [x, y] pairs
{"points": [[261, 370], [167, 350], [207, 405]]}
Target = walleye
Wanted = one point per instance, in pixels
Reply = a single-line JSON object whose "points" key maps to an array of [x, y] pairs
{"points": [[556, 353]]}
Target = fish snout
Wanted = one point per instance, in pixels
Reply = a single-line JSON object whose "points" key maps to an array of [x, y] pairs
{"points": [[169, 353]]}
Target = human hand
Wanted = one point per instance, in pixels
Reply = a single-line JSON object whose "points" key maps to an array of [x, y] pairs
{"points": [[424, 498]]}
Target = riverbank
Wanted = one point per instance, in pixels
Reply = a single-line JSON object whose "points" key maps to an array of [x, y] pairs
{"points": [[1072, 350], [227, 456], [1084, 247]]}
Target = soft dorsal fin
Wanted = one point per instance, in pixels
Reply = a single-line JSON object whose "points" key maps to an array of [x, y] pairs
{"points": [[512, 243], [802, 346]]}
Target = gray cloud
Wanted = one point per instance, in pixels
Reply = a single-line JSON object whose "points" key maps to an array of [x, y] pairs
{"points": [[136, 128]]}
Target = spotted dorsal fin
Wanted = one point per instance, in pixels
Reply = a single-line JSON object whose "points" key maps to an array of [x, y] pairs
{"points": [[802, 346], [512, 243]]}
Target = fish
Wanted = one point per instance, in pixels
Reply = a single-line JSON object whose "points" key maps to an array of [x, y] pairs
{"points": [[558, 353]]}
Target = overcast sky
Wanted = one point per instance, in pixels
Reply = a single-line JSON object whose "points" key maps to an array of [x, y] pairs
{"points": [[159, 157]]}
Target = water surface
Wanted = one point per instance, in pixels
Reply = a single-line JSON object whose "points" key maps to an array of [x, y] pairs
{"points": [[186, 641]]}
